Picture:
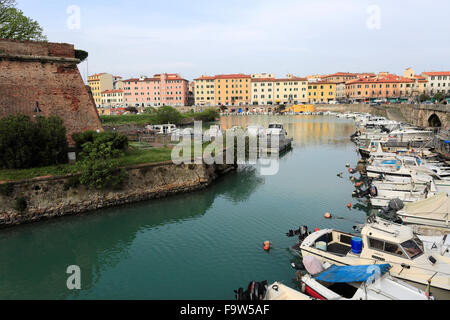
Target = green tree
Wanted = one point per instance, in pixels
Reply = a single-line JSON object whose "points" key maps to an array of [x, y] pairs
{"points": [[167, 114], [439, 97], [99, 166], [149, 110], [208, 115], [27, 144], [15, 25], [424, 97]]}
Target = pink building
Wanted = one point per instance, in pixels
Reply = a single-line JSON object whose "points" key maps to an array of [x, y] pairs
{"points": [[162, 89]]}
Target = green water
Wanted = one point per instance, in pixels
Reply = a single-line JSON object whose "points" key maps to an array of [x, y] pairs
{"points": [[201, 245]]}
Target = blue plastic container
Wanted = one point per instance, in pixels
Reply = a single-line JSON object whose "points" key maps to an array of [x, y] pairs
{"points": [[357, 245]]}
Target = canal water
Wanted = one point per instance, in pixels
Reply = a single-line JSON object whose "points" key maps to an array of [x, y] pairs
{"points": [[201, 245]]}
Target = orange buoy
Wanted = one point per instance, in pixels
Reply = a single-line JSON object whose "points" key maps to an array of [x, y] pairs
{"points": [[327, 215], [317, 230], [358, 184], [349, 205], [350, 170], [267, 245]]}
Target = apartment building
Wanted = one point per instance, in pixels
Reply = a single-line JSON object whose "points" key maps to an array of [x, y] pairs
{"points": [[112, 98], [437, 82], [321, 91], [385, 86], [162, 89], [233, 89], [204, 91], [99, 83]]}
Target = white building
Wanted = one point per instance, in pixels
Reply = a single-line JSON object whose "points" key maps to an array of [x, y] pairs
{"points": [[112, 98], [437, 82]]}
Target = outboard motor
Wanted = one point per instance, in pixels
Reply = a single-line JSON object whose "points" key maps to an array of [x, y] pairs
{"points": [[302, 233], [373, 191], [390, 212], [361, 193], [256, 291]]}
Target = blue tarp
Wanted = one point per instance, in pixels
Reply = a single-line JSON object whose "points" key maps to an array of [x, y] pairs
{"points": [[346, 274]]}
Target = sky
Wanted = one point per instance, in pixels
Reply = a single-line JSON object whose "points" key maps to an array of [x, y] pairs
{"points": [[136, 37]]}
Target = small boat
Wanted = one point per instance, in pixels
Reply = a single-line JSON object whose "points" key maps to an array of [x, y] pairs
{"points": [[382, 241], [278, 291], [363, 282], [431, 212], [213, 133], [162, 129]]}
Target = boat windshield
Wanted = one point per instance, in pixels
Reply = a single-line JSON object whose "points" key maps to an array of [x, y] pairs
{"points": [[412, 249]]}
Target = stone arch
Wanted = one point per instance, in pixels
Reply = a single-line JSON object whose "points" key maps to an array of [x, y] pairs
{"points": [[434, 121]]}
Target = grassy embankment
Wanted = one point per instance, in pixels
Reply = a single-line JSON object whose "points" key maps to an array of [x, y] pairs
{"points": [[133, 156]]}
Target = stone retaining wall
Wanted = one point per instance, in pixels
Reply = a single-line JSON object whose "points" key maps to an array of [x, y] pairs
{"points": [[47, 198]]}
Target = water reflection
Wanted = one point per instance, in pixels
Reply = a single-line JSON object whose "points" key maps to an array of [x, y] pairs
{"points": [[36, 256], [305, 129]]}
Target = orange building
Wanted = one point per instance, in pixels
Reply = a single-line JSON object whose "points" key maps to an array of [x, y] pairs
{"points": [[233, 89]]}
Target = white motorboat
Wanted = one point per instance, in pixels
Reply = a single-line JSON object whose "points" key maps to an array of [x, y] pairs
{"points": [[382, 197], [431, 212], [383, 242], [213, 133], [362, 282], [278, 291], [162, 129]]}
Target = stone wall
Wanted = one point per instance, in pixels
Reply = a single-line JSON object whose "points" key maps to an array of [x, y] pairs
{"points": [[46, 74], [47, 197]]}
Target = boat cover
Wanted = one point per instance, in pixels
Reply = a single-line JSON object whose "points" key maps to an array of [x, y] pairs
{"points": [[347, 274], [436, 207]]}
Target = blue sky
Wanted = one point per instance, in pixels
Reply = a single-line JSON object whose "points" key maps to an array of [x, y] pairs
{"points": [[136, 37]]}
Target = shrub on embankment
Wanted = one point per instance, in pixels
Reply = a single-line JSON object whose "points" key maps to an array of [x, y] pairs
{"points": [[26, 144]]}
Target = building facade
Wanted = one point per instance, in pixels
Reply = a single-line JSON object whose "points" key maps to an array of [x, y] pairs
{"points": [[386, 87], [437, 82], [233, 89], [112, 98], [162, 89], [321, 91], [204, 91], [99, 83]]}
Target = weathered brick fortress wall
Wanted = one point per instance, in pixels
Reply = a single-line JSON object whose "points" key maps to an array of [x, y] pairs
{"points": [[47, 74]]}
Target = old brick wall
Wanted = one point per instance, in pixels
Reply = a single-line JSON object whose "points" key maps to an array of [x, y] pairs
{"points": [[56, 86]]}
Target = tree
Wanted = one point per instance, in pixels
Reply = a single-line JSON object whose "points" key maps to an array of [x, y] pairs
{"points": [[15, 25], [26, 144], [167, 114], [132, 109], [439, 97], [424, 97]]}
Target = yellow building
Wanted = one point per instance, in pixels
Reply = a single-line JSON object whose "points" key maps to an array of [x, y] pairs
{"points": [[321, 92], [204, 91], [290, 90], [270, 91], [99, 83]]}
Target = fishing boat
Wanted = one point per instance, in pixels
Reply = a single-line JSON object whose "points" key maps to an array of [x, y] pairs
{"points": [[362, 282], [382, 242]]}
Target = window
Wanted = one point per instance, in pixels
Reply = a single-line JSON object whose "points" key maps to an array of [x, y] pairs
{"points": [[376, 244], [412, 249], [393, 249]]}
